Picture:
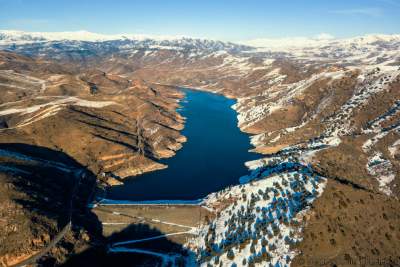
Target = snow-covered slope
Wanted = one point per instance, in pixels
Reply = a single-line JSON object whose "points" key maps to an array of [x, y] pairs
{"points": [[21, 37], [10, 38], [319, 45], [320, 41]]}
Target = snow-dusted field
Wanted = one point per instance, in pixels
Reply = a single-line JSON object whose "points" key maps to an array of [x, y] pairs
{"points": [[34, 113]]}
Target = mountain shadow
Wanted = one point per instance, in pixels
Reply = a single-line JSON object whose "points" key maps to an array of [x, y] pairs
{"points": [[103, 256], [44, 195], [51, 192]]}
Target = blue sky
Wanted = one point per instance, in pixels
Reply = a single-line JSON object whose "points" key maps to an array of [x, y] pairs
{"points": [[233, 20]]}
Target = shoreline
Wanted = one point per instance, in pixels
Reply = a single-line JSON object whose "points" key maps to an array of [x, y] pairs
{"points": [[163, 160]]}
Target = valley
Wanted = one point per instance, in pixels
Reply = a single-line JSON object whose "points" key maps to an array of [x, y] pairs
{"points": [[208, 160], [320, 184]]}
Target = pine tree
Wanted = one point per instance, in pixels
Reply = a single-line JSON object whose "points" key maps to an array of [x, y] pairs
{"points": [[252, 248], [230, 255]]}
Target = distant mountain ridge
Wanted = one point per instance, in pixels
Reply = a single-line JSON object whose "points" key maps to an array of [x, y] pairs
{"points": [[320, 41], [15, 37], [11, 38]]}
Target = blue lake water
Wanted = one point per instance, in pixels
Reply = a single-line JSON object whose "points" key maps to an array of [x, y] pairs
{"points": [[212, 158]]}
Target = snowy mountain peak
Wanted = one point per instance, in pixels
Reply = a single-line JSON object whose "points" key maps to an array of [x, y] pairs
{"points": [[20, 38], [83, 35], [289, 43], [15, 36], [321, 45]]}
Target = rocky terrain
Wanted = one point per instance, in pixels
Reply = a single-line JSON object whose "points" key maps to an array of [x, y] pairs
{"points": [[110, 127], [324, 114]]}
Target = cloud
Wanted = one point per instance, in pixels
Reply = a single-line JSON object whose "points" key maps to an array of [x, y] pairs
{"points": [[368, 11], [324, 36]]}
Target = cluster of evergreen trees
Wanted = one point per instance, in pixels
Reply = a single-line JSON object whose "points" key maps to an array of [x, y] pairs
{"points": [[251, 224]]}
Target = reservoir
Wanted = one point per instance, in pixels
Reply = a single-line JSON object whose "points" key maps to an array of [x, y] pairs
{"points": [[212, 158]]}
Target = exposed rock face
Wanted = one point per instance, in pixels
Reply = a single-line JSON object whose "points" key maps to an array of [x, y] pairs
{"points": [[334, 106], [106, 122]]}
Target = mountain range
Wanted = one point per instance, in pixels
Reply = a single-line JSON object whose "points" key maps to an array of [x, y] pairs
{"points": [[325, 110]]}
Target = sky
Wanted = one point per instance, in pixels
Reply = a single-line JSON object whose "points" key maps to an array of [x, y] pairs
{"points": [[229, 20]]}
